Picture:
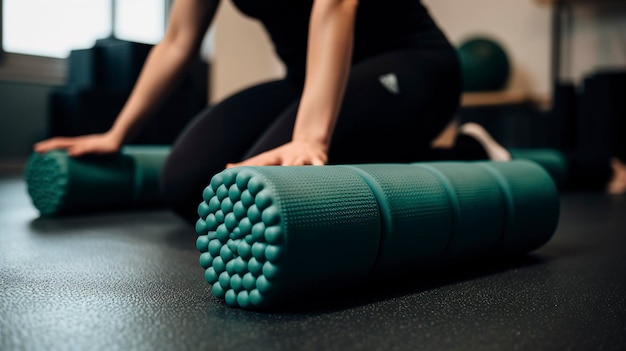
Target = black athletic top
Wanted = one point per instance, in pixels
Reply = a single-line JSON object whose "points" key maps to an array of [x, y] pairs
{"points": [[381, 26]]}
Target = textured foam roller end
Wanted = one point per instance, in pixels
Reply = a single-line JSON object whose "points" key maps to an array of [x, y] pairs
{"points": [[47, 178], [260, 245], [241, 238]]}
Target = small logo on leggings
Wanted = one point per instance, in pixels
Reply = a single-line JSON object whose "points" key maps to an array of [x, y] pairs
{"points": [[390, 82]]}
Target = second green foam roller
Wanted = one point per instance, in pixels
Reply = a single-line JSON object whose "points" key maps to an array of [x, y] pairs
{"points": [[59, 184], [552, 160], [267, 234]]}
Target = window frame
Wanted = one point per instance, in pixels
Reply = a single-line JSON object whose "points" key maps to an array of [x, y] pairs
{"points": [[29, 68], [38, 69]]}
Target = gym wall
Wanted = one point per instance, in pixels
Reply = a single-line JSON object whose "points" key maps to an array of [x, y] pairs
{"points": [[243, 54], [594, 39]]}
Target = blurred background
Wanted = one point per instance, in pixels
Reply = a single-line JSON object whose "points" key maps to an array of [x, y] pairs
{"points": [[58, 59]]}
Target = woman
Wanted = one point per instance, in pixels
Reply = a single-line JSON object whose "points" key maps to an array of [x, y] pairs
{"points": [[368, 81]]}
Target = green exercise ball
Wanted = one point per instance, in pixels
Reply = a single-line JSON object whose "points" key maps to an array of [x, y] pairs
{"points": [[484, 65]]}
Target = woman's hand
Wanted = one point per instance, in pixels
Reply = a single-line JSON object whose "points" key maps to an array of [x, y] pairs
{"points": [[294, 153], [82, 145]]}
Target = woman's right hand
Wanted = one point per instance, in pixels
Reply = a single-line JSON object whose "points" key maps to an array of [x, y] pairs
{"points": [[81, 145]]}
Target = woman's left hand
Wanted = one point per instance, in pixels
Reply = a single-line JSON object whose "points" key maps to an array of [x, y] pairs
{"points": [[294, 153]]}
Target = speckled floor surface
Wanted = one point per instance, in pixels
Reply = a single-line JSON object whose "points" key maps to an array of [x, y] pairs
{"points": [[131, 281]]}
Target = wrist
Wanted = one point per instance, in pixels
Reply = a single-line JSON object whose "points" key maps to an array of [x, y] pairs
{"points": [[319, 141], [115, 137], [314, 131]]}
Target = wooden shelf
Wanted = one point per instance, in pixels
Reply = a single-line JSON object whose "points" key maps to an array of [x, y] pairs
{"points": [[495, 98]]}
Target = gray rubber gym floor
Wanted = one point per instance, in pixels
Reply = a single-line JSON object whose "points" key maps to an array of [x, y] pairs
{"points": [[131, 281]]}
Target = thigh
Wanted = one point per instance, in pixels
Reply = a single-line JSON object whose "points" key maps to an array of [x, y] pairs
{"points": [[221, 134], [394, 105], [277, 134]]}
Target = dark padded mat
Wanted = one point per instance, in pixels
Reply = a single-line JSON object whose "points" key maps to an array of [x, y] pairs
{"points": [[131, 281]]}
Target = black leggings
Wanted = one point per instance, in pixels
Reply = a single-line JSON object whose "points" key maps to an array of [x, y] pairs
{"points": [[377, 123]]}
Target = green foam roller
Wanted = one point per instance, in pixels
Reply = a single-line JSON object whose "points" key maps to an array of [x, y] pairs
{"points": [[477, 208], [261, 242], [531, 205], [59, 184], [273, 234], [554, 161], [413, 203]]}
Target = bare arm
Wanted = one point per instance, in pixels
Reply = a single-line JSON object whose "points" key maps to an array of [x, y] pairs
{"points": [[328, 64], [165, 66], [329, 53]]}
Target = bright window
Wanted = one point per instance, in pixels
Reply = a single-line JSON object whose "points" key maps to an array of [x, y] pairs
{"points": [[54, 27], [140, 20]]}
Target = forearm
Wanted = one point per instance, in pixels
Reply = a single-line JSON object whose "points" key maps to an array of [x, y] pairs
{"points": [[166, 64], [160, 74], [331, 35]]}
